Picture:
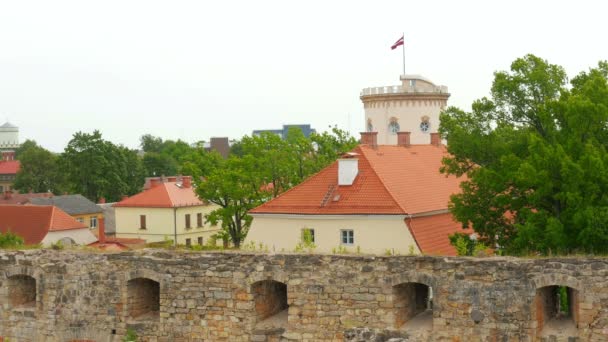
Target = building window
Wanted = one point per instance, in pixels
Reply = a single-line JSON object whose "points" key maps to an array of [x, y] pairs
{"points": [[348, 237], [199, 220], [308, 233], [142, 221], [370, 126], [80, 219], [393, 126], [188, 242], [200, 240], [93, 223], [188, 221]]}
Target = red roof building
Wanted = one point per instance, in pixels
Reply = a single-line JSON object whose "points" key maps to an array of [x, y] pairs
{"points": [[395, 200], [43, 224], [168, 210]]}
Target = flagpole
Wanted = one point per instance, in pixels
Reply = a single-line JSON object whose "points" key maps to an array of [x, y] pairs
{"points": [[403, 46]]}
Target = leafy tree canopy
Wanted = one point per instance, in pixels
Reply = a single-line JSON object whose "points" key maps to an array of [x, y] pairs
{"points": [[536, 160], [40, 170], [97, 168]]}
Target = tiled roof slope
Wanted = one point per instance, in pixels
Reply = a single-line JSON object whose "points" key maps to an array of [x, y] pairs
{"points": [[34, 222], [431, 233], [391, 180], [412, 176], [367, 195], [164, 195], [71, 204], [9, 167]]}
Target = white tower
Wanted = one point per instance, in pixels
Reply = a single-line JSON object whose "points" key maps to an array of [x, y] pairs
{"points": [[9, 140], [414, 107]]}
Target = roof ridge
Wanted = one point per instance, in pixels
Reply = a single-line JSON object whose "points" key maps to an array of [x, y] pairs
{"points": [[52, 218], [382, 181], [165, 185]]}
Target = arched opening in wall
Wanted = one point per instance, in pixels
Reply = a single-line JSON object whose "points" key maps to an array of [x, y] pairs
{"points": [[270, 299], [143, 302], [556, 311], [413, 305], [22, 291]]}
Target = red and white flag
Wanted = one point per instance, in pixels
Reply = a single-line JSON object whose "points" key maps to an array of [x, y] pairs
{"points": [[397, 43]]}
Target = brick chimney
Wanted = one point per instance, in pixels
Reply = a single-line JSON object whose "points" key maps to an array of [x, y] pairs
{"points": [[102, 230], [102, 200], [154, 182], [369, 138], [186, 182], [172, 179], [435, 139], [403, 138]]}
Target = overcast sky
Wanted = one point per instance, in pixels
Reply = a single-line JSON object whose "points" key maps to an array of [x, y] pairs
{"points": [[197, 69]]}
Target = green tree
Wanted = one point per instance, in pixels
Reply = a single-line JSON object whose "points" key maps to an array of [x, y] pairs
{"points": [[159, 164], [535, 156], [272, 161], [26, 145], [39, 170], [150, 143], [235, 187], [331, 145], [97, 168]]}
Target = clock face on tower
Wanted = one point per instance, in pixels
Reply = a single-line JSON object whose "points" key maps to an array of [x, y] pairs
{"points": [[425, 126]]}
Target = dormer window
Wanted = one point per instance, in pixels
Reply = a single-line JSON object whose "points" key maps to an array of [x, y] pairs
{"points": [[393, 126]]}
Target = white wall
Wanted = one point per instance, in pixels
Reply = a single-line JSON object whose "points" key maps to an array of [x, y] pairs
{"points": [[373, 233], [81, 236], [161, 223]]}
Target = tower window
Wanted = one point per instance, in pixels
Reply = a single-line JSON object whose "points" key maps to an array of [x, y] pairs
{"points": [[393, 127]]}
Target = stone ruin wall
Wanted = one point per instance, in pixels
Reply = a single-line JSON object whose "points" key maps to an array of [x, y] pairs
{"points": [[214, 296]]}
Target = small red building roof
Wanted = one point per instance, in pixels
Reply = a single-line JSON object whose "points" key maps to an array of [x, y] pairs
{"points": [[10, 167], [32, 223], [164, 195]]}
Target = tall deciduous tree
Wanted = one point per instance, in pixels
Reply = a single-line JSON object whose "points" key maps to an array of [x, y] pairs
{"points": [[39, 170], [536, 158], [236, 189], [97, 168]]}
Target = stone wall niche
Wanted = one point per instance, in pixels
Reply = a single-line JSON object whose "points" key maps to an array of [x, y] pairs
{"points": [[556, 311], [143, 302], [412, 303], [270, 299], [22, 291]]}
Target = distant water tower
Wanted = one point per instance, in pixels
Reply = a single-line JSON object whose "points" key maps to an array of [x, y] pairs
{"points": [[9, 140], [413, 106]]}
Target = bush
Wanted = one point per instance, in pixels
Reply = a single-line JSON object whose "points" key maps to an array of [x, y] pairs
{"points": [[10, 240], [466, 246]]}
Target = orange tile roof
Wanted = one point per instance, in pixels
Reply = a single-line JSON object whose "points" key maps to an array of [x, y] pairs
{"points": [[391, 180], [367, 195], [32, 223], [431, 233], [164, 195], [9, 167]]}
